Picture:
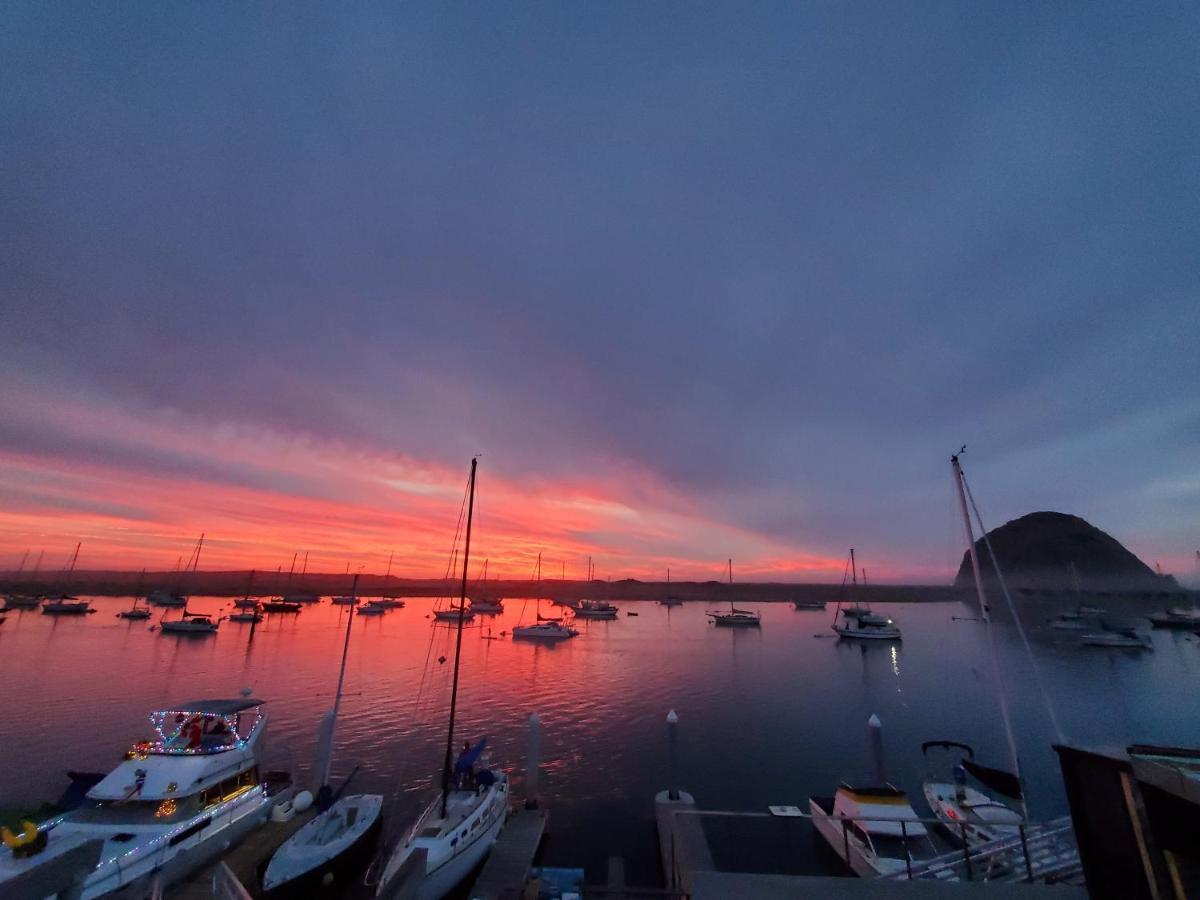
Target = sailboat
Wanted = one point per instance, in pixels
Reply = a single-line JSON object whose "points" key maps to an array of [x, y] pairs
{"points": [[669, 600], [338, 841], [135, 611], [966, 813], [64, 604], [545, 628], [191, 623], [595, 609], [858, 622], [735, 617], [486, 605], [249, 609], [458, 829]]}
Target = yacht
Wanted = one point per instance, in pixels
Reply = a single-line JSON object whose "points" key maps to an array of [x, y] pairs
{"points": [[735, 617], [545, 630], [595, 609], [22, 601], [874, 830], [867, 626], [390, 602], [247, 614], [66, 606], [808, 604], [191, 623], [279, 605], [166, 598], [343, 601], [451, 613], [179, 799], [373, 608]]}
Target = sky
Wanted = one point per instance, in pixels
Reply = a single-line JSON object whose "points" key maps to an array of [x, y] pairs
{"points": [[696, 281]]}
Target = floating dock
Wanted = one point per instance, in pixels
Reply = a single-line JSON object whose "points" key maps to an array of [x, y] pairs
{"points": [[508, 864]]}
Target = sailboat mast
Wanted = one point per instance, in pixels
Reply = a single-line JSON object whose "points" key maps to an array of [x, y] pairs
{"points": [[327, 763], [731, 583], [959, 480], [853, 570], [462, 605]]}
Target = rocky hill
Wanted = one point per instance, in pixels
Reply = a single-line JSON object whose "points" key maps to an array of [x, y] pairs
{"points": [[1038, 550]]}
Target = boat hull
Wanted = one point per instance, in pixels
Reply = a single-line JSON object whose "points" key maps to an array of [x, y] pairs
{"points": [[335, 873], [848, 848], [865, 634]]}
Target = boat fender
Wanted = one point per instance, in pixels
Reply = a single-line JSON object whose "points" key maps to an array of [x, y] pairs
{"points": [[283, 812], [303, 801], [27, 835]]}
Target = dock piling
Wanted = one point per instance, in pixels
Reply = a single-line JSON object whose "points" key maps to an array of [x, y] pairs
{"points": [[534, 761]]}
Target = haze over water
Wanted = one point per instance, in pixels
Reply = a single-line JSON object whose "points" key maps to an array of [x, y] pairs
{"points": [[767, 716]]}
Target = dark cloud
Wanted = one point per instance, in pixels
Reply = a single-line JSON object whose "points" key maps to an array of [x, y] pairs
{"points": [[784, 258]]}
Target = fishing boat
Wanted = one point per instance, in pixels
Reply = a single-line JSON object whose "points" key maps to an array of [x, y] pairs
{"points": [[279, 605], [180, 798], [191, 623], [328, 851], [596, 609], [64, 605], [457, 830], [488, 606], [874, 830], [968, 814], [372, 608], [859, 623], [735, 618]]}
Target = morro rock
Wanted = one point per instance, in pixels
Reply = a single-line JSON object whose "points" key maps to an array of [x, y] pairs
{"points": [[1038, 551]]}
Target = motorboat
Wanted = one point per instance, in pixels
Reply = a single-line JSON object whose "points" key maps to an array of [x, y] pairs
{"points": [[279, 605], [457, 830], [330, 849], [66, 606], [372, 608], [867, 627], [596, 609], [547, 630], [808, 604], [343, 601], [253, 614], [303, 598], [22, 601], [390, 602], [180, 799], [247, 603], [670, 601], [874, 830], [969, 815], [452, 613], [191, 623], [166, 598], [735, 618], [488, 606], [1069, 622], [1178, 619]]}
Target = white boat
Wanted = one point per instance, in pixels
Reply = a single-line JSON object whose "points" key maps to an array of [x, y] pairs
{"points": [[547, 630], [66, 606], [191, 623], [330, 849], [179, 800], [1124, 638], [874, 830], [596, 609], [735, 618], [457, 830], [488, 606], [859, 623], [968, 814]]}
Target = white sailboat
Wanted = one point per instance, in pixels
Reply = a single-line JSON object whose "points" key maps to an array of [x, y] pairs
{"points": [[595, 609], [458, 829], [669, 599], [329, 850], [858, 622], [735, 618], [191, 623], [135, 611]]}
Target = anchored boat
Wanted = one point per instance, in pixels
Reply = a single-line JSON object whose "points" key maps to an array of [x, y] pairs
{"points": [[735, 617], [970, 815], [191, 623], [595, 609]]}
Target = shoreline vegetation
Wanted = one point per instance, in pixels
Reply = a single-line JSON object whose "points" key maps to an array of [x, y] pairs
{"points": [[235, 584]]}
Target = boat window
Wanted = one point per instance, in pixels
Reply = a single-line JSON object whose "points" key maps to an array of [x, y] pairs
{"points": [[229, 788], [134, 812]]}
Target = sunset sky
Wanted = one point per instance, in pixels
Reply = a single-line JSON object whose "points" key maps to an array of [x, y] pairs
{"points": [[696, 280]]}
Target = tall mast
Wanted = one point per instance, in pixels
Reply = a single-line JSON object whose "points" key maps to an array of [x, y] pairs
{"points": [[21, 567], [731, 582], [853, 569], [389, 568], [959, 480], [327, 762], [462, 605]]}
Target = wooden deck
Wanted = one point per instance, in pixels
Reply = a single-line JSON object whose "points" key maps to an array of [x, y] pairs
{"points": [[243, 860], [508, 864]]}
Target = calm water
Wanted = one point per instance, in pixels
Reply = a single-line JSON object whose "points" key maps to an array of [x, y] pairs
{"points": [[766, 716]]}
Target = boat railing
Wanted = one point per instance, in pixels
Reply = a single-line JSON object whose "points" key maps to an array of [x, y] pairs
{"points": [[1036, 852]]}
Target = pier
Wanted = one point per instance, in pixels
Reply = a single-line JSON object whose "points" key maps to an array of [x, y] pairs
{"points": [[508, 864]]}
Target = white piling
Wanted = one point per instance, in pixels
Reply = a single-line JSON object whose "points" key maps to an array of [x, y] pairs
{"points": [[534, 761], [672, 739], [875, 750]]}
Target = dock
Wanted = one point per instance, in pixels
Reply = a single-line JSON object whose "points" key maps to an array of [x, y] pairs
{"points": [[243, 861], [508, 864]]}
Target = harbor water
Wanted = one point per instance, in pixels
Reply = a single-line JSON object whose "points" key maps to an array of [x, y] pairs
{"points": [[767, 715]]}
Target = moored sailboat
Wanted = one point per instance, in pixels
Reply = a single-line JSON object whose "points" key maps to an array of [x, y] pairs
{"points": [[735, 617], [457, 830], [859, 622]]}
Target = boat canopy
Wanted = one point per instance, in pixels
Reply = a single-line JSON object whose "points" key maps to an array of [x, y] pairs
{"points": [[221, 707], [879, 811], [998, 780]]}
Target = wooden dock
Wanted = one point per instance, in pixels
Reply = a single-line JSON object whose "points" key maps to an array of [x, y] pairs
{"points": [[243, 860], [508, 864]]}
